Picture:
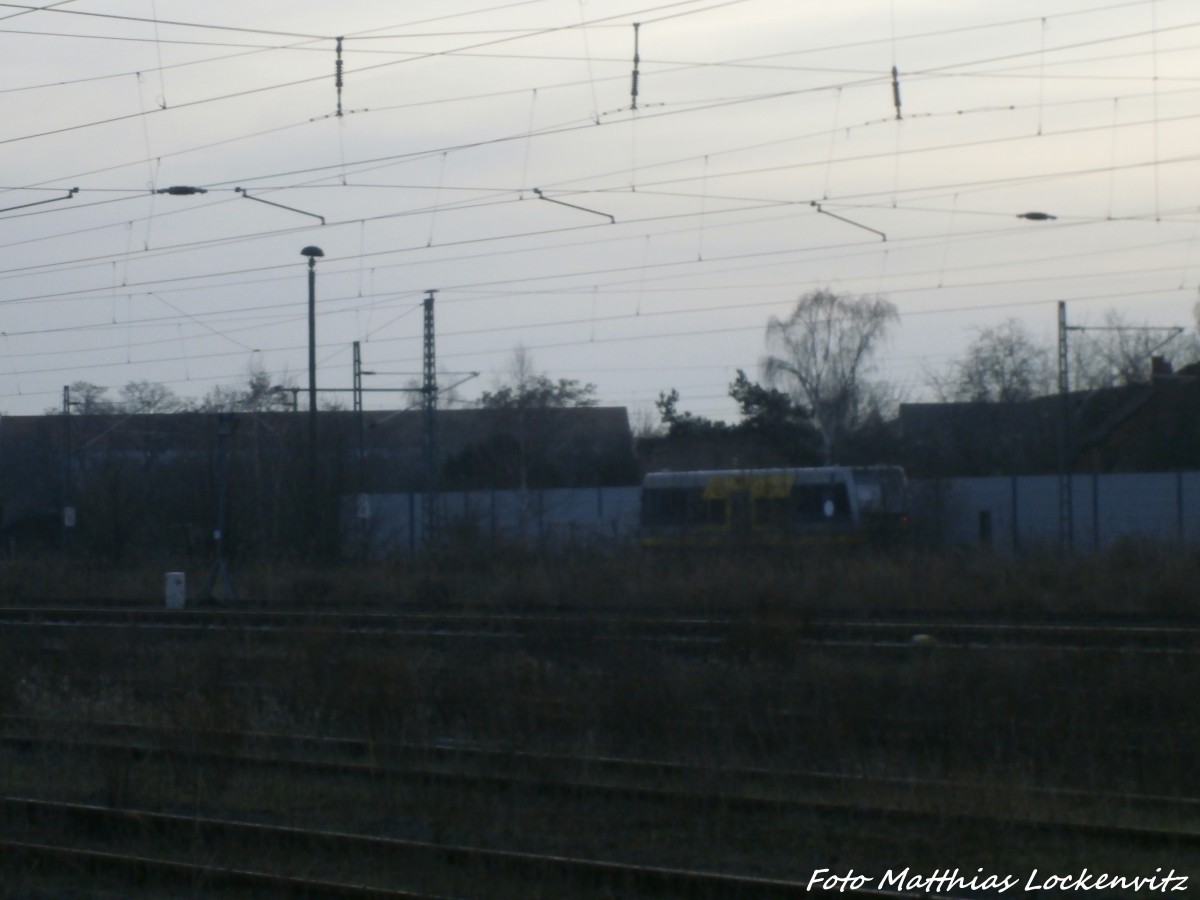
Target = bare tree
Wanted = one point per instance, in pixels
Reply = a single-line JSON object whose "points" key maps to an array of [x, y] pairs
{"points": [[646, 423], [258, 395], [150, 397], [529, 441], [88, 399], [822, 355], [526, 388], [448, 396], [1004, 364], [1119, 353]]}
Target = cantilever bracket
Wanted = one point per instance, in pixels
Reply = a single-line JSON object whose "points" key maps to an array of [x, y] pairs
{"points": [[242, 191], [71, 193], [817, 205], [594, 212]]}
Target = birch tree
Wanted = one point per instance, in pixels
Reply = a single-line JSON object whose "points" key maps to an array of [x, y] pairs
{"points": [[823, 355]]}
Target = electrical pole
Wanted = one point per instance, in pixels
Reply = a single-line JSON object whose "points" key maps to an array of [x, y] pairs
{"points": [[362, 504], [358, 411], [1066, 499], [68, 513], [429, 406]]}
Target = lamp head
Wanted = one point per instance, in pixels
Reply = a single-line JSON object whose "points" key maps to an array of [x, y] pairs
{"points": [[312, 252]]}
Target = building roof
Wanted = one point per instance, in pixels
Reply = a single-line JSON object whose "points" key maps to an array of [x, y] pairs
{"points": [[567, 445], [1144, 427]]}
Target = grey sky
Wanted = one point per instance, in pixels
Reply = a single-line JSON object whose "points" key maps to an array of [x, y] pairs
{"points": [[749, 114]]}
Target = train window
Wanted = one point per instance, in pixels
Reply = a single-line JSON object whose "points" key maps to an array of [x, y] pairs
{"points": [[666, 507], [681, 506]]}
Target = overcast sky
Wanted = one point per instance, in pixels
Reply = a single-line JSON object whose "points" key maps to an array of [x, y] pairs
{"points": [[766, 157]]}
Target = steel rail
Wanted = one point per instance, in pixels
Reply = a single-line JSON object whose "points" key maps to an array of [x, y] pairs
{"points": [[800, 617], [755, 802], [349, 752], [559, 611], [679, 882], [212, 876], [703, 630]]}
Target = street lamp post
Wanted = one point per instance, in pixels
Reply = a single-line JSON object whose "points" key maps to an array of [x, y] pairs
{"points": [[1066, 500], [313, 253]]}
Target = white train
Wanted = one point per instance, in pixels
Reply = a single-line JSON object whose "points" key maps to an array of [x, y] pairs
{"points": [[842, 504]]}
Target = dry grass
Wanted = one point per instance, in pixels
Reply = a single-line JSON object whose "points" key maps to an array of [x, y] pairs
{"points": [[1130, 579], [1097, 720]]}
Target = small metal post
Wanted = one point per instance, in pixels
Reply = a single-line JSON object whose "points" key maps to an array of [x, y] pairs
{"points": [[226, 425]]}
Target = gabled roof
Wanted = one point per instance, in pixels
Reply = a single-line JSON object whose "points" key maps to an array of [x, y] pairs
{"points": [[1144, 427], [979, 438]]}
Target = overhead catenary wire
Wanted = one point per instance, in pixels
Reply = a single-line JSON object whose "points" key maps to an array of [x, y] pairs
{"points": [[735, 173], [954, 187], [642, 280], [692, 333], [922, 193], [76, 294], [839, 88], [55, 9], [695, 310], [253, 91]]}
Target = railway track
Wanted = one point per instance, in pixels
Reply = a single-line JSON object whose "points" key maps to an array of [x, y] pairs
{"points": [[376, 757], [697, 631], [623, 611], [671, 785], [488, 872], [912, 735], [527, 795]]}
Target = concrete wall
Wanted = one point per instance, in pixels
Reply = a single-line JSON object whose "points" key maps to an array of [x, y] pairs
{"points": [[491, 518], [1020, 513], [1005, 513]]}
